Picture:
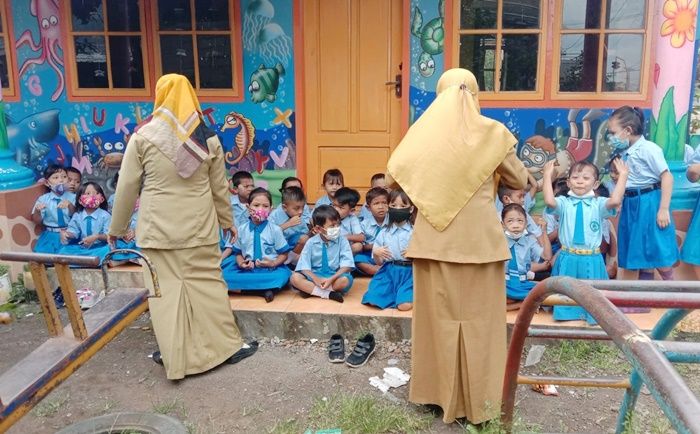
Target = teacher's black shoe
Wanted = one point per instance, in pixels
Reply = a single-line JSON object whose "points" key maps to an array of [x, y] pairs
{"points": [[360, 354], [157, 358], [244, 352]]}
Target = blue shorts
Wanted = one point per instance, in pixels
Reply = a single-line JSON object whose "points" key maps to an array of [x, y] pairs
{"points": [[346, 275]]}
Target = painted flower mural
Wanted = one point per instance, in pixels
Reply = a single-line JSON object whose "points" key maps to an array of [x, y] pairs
{"points": [[680, 21]]}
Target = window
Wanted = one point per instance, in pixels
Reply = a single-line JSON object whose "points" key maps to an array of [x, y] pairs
{"points": [[7, 77], [502, 43], [195, 39], [601, 49], [106, 48]]}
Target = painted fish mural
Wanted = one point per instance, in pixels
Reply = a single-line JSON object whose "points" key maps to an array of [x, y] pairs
{"points": [[28, 138], [432, 38], [264, 83], [245, 138]]}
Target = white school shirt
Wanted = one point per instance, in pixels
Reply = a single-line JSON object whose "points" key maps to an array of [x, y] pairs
{"points": [[396, 238], [338, 252], [100, 220], [646, 163], [272, 241], [49, 215]]}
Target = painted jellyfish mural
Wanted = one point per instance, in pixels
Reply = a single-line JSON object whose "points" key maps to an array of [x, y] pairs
{"points": [[263, 36]]}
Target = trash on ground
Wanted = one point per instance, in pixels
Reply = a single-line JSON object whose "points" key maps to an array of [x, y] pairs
{"points": [[534, 355], [393, 378]]}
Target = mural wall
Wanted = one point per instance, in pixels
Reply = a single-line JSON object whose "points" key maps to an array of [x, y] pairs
{"points": [[258, 134]]}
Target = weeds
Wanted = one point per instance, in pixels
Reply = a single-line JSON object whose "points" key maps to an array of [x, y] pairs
{"points": [[174, 407], [49, 407], [573, 355]]}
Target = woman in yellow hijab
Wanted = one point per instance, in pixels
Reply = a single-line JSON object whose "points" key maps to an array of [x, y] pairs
{"points": [[450, 163], [184, 201]]}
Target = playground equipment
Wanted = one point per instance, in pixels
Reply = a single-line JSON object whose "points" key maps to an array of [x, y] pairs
{"points": [[650, 355], [27, 382]]}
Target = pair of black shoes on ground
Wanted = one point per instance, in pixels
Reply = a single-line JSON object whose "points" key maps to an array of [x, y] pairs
{"points": [[360, 354], [239, 355]]}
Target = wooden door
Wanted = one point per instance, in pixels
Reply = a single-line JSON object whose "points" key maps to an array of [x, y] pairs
{"points": [[352, 48]]}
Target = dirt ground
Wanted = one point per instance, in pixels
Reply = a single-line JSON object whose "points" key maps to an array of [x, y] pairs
{"points": [[282, 381]]}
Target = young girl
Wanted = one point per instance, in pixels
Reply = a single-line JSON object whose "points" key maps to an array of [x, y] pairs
{"points": [[260, 252], [87, 231], [392, 286], [332, 182], [53, 209], [691, 247], [646, 235], [581, 216], [528, 255]]}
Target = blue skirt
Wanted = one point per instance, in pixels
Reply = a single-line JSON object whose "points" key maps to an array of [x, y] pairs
{"points": [[642, 244], [121, 244], [691, 247], [364, 258], [391, 286], [346, 275], [518, 290], [99, 250], [257, 279], [48, 242], [580, 267]]}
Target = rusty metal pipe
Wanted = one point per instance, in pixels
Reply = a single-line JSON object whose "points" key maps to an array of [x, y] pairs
{"points": [[44, 258], [683, 300], [144, 258], [615, 383], [646, 285], [573, 333]]}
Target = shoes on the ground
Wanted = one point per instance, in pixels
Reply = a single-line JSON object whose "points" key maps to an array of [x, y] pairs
{"points": [[336, 296], [336, 349], [157, 358], [269, 295], [244, 352], [362, 351]]}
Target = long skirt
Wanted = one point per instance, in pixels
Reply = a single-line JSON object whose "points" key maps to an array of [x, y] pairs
{"points": [[580, 267], [691, 247], [194, 326], [459, 338], [390, 287]]}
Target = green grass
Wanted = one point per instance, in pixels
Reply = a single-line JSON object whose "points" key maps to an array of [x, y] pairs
{"points": [[173, 407], [357, 414], [49, 407], [574, 356]]}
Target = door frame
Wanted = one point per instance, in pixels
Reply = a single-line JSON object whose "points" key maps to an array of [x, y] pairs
{"points": [[300, 96]]}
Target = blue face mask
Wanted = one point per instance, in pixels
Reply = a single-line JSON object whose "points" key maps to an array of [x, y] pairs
{"points": [[59, 189], [617, 142]]}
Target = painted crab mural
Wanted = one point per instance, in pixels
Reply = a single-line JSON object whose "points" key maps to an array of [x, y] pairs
{"points": [[432, 38]]}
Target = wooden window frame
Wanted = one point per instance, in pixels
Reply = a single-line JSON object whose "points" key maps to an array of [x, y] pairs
{"points": [[236, 93], [499, 31], [10, 91], [602, 31], [76, 93]]}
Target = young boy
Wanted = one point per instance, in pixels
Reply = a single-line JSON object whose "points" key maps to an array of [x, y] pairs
{"points": [[75, 178], [508, 196], [378, 180], [378, 202], [243, 184], [326, 261], [344, 202], [293, 218], [332, 182]]}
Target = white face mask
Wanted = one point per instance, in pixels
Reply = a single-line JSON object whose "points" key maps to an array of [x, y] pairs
{"points": [[514, 236], [584, 196], [333, 233]]}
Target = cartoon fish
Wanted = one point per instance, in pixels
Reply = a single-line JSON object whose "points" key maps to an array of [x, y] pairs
{"points": [[28, 138], [264, 83], [244, 138]]}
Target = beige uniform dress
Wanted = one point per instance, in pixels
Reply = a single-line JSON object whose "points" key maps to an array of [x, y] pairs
{"points": [[178, 229]]}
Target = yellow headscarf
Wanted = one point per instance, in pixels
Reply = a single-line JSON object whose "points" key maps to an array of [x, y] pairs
{"points": [[176, 116], [450, 151]]}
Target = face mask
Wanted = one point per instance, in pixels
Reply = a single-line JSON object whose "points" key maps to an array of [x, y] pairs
{"points": [[59, 189], [583, 196], [515, 237], [333, 233], [260, 214], [91, 202], [399, 215], [617, 142]]}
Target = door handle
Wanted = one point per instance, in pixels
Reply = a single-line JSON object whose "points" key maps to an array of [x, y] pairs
{"points": [[397, 85]]}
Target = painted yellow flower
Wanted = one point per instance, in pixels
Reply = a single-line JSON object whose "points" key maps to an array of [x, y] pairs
{"points": [[680, 22]]}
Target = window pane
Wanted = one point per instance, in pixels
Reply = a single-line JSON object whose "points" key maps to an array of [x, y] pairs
{"points": [[174, 15], [91, 58], [176, 56], [521, 14], [214, 62], [211, 14], [4, 78], [478, 14], [123, 15], [477, 54], [519, 63], [87, 15], [579, 62], [626, 14], [581, 14], [126, 61], [622, 65]]}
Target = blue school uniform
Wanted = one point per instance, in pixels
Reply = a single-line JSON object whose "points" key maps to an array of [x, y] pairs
{"points": [[523, 252], [691, 246], [552, 225], [53, 220], [371, 229], [350, 225], [263, 241], [110, 202], [325, 258], [393, 283], [365, 213], [292, 234], [241, 215], [324, 200], [580, 235], [642, 244], [123, 244], [83, 225]]}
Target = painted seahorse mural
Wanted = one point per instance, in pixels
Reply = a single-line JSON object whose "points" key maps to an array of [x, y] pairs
{"points": [[244, 138]]}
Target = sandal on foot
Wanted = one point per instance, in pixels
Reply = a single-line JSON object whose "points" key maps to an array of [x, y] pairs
{"points": [[244, 352], [157, 358], [336, 349], [360, 354]]}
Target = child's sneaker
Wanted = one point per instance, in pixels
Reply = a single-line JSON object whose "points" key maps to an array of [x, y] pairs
{"points": [[336, 296], [363, 349], [336, 349]]}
